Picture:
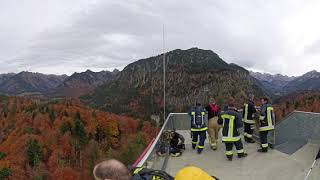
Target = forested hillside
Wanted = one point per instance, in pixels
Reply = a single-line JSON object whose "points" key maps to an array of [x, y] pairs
{"points": [[306, 101], [191, 75], [82, 83], [63, 140]]}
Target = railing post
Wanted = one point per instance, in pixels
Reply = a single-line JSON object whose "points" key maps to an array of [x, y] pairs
{"points": [[274, 131]]}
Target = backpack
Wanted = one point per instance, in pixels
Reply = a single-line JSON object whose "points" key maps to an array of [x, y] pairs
{"points": [[198, 117], [150, 174]]}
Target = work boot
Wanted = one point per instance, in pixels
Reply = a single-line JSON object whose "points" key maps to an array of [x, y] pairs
{"points": [[229, 158], [271, 146], [161, 154], [263, 150], [214, 147], [176, 154], [199, 151], [193, 147], [242, 155]]}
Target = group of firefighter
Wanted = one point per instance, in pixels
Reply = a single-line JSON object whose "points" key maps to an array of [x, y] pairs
{"points": [[230, 120]]}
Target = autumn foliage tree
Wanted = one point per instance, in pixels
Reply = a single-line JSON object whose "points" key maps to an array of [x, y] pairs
{"points": [[44, 139], [306, 101]]}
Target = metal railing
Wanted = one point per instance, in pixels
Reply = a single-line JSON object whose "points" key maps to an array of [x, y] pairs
{"points": [[177, 121]]}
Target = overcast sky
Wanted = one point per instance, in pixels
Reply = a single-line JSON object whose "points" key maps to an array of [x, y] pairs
{"points": [[66, 36]]}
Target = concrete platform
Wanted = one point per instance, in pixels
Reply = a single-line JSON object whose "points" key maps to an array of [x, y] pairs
{"points": [[272, 165]]}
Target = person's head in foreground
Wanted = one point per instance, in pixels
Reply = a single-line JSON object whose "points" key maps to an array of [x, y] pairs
{"points": [[193, 173], [111, 170]]}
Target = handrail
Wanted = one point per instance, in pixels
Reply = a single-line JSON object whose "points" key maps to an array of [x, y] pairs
{"points": [[147, 154], [291, 113], [143, 160], [143, 153], [315, 113], [179, 113]]}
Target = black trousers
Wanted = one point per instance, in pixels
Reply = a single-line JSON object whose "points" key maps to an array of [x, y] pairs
{"points": [[248, 130], [198, 138], [264, 139], [229, 147], [176, 148], [173, 149]]}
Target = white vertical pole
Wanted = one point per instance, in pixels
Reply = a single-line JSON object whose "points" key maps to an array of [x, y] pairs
{"points": [[164, 75]]}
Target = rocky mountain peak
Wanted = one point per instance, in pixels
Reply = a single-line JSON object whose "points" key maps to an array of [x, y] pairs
{"points": [[191, 75], [82, 83], [312, 74], [29, 82]]}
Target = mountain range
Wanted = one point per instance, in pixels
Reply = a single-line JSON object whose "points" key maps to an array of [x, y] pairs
{"points": [[82, 83], [281, 85], [309, 81], [43, 85], [192, 75], [26, 83], [274, 83]]}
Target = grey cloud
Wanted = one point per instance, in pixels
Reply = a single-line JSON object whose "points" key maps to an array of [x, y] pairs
{"points": [[114, 33], [313, 48]]}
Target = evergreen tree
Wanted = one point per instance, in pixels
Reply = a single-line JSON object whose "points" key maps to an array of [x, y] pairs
{"points": [[34, 152], [5, 173], [80, 136], [65, 127], [79, 131], [2, 155], [52, 115]]}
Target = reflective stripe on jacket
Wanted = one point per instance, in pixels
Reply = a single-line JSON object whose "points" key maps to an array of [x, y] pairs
{"points": [[248, 113], [267, 118], [230, 121], [198, 115]]}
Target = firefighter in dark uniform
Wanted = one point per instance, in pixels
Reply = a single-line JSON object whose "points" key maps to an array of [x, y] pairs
{"points": [[249, 110], [267, 119], [172, 141], [176, 144], [231, 121], [198, 127]]}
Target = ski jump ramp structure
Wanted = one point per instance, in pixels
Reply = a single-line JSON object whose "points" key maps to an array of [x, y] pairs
{"points": [[296, 142]]}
